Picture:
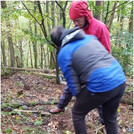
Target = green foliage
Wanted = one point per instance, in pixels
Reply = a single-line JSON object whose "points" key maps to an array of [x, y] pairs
{"points": [[5, 105], [8, 131], [52, 102], [129, 87], [32, 37], [32, 103], [5, 114], [38, 121], [122, 49], [19, 24], [49, 77], [5, 72], [17, 83]]}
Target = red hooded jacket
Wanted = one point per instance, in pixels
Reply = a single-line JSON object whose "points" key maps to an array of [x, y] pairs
{"points": [[95, 27]]}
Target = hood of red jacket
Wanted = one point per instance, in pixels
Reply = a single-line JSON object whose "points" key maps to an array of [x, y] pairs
{"points": [[80, 9]]}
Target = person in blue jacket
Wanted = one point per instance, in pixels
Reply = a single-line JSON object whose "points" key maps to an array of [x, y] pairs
{"points": [[93, 76]]}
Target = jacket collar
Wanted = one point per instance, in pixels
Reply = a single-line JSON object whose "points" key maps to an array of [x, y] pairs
{"points": [[72, 35]]}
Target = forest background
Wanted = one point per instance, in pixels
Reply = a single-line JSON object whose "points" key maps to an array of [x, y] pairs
{"points": [[26, 26]]}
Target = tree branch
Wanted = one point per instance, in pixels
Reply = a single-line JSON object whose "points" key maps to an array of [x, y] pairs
{"points": [[42, 24], [63, 12], [30, 13], [65, 5]]}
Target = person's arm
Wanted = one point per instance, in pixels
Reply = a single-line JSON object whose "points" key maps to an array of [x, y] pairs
{"points": [[71, 78], [72, 81], [65, 98]]}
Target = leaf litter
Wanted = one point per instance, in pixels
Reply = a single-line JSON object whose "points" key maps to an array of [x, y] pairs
{"points": [[44, 89]]}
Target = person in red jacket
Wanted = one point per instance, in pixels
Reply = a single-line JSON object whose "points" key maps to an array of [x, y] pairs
{"points": [[82, 17]]}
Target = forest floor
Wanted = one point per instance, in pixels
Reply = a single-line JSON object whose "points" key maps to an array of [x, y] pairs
{"points": [[25, 121]]}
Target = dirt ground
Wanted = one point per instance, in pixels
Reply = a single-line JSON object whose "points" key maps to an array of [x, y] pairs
{"points": [[41, 89]]}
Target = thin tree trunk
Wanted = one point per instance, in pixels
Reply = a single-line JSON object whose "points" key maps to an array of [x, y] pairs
{"points": [[62, 13], [97, 14], [21, 53], [121, 20], [103, 19], [53, 13], [42, 54], [112, 15], [35, 42], [11, 48], [3, 53], [27, 59], [51, 63], [107, 12], [47, 56], [30, 55], [47, 11], [130, 27]]}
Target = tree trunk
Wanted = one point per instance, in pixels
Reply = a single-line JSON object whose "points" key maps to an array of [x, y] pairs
{"points": [[35, 42], [42, 54], [62, 13], [10, 42], [53, 13], [107, 12], [11, 48], [130, 27], [31, 59], [103, 19], [3, 53], [97, 13], [121, 19], [48, 12], [21, 53], [112, 15], [51, 65]]}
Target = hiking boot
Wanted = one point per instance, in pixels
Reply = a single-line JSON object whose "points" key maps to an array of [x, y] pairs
{"points": [[56, 110]]}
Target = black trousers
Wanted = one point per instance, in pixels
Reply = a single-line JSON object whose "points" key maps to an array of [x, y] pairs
{"points": [[66, 98], [87, 101]]}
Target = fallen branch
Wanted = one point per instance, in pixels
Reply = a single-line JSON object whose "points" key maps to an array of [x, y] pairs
{"points": [[98, 131], [15, 111], [17, 105], [45, 75], [30, 69]]}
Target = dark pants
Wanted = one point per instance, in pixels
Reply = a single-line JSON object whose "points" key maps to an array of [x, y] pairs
{"points": [[66, 98], [87, 101]]}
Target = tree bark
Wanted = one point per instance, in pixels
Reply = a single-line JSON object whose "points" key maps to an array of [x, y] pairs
{"points": [[21, 53], [11, 49], [130, 27], [48, 16], [3, 53], [107, 12], [10, 42], [97, 14], [112, 15], [31, 59], [42, 54], [35, 42]]}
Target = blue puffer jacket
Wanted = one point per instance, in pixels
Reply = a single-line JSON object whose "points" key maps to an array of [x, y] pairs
{"points": [[84, 61]]}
